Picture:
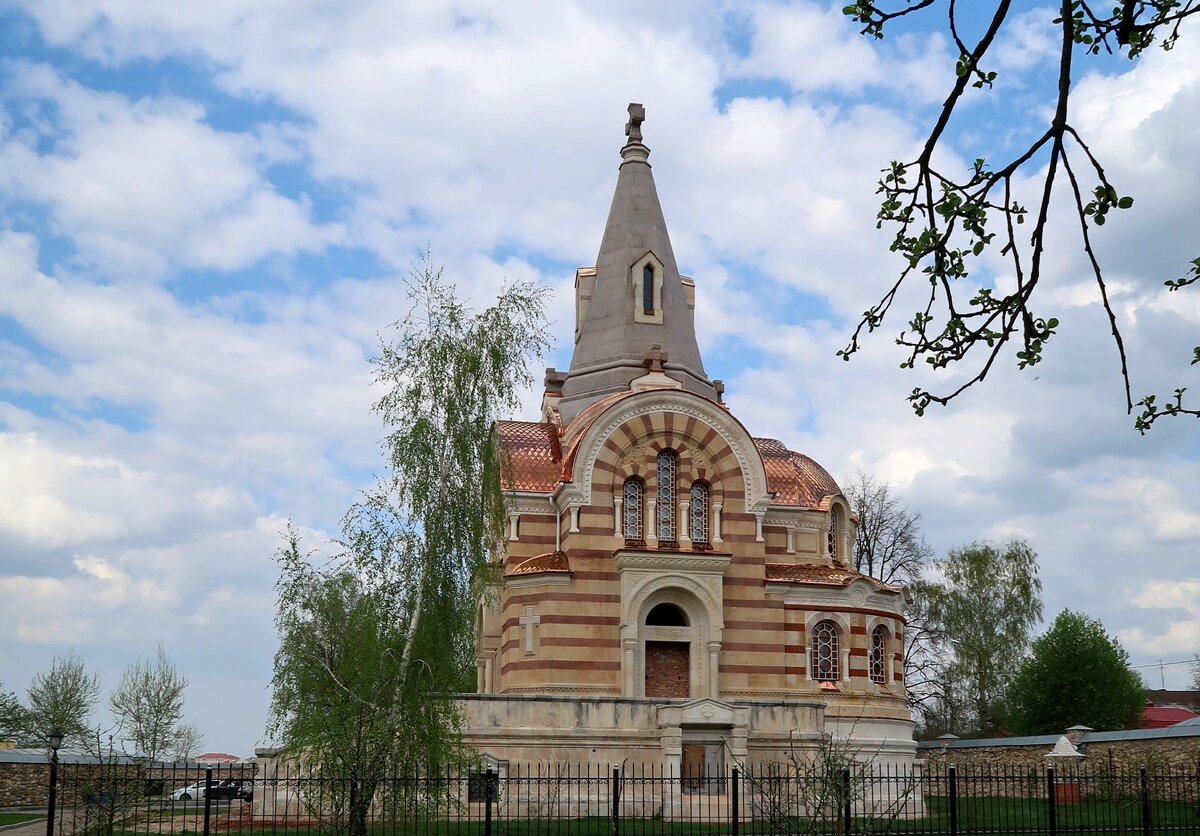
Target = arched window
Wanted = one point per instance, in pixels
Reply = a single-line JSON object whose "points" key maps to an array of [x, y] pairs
{"points": [[667, 468], [632, 509], [832, 542], [699, 514], [878, 655], [666, 615], [648, 289], [825, 652]]}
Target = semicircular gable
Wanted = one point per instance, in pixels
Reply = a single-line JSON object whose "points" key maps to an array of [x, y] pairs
{"points": [[580, 462]]}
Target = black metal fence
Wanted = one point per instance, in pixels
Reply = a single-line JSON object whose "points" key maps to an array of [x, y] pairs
{"points": [[510, 800]]}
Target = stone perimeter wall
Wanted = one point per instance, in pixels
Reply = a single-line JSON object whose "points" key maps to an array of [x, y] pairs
{"points": [[27, 784], [1108, 768]]}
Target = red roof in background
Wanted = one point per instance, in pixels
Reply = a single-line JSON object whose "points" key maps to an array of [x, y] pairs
{"points": [[217, 757], [1157, 717]]}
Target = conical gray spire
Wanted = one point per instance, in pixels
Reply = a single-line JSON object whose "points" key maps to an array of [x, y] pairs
{"points": [[615, 329]]}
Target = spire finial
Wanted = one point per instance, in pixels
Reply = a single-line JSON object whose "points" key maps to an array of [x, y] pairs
{"points": [[633, 128]]}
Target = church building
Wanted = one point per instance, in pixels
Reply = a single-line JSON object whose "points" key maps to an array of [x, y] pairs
{"points": [[674, 591]]}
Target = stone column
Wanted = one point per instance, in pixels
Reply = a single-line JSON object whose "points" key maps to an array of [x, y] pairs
{"points": [[618, 513], [488, 669], [684, 525], [650, 524], [629, 666], [714, 670]]}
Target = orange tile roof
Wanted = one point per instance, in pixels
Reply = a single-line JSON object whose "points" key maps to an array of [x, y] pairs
{"points": [[821, 575], [538, 460], [794, 477], [548, 562], [534, 455]]}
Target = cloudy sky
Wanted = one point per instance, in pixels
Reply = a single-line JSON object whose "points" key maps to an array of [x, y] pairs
{"points": [[207, 211]]}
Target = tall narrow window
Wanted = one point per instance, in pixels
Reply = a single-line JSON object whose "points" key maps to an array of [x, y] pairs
{"points": [[833, 536], [825, 652], [632, 509], [878, 648], [667, 467], [648, 289], [699, 514]]}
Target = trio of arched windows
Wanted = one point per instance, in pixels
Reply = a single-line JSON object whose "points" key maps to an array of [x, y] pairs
{"points": [[824, 654], [664, 522]]}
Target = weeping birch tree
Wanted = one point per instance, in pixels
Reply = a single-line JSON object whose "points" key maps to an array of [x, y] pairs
{"points": [[376, 640]]}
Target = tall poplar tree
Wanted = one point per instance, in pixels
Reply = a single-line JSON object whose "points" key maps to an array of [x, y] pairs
{"points": [[375, 641], [986, 606]]}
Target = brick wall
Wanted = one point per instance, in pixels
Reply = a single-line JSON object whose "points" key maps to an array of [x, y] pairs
{"points": [[667, 669]]}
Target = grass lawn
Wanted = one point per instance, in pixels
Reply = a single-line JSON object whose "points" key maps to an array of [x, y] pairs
{"points": [[17, 818], [975, 816]]}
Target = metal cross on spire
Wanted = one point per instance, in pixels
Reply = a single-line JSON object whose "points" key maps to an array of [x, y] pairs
{"points": [[633, 128]]}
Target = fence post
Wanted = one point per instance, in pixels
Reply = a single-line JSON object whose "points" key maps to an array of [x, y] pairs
{"points": [[487, 802], [1146, 828], [953, 800], [207, 799], [53, 790], [846, 802], [733, 797], [616, 800], [1051, 801]]}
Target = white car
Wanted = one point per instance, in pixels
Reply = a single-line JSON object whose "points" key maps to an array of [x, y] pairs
{"points": [[189, 792]]}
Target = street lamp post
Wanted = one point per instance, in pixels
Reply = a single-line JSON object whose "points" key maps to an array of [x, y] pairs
{"points": [[55, 738]]}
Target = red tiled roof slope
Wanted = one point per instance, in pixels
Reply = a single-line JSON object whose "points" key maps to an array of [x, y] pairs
{"points": [[820, 575], [548, 562], [534, 455], [794, 477]]}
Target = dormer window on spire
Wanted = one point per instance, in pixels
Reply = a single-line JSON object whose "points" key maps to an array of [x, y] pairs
{"points": [[647, 275]]}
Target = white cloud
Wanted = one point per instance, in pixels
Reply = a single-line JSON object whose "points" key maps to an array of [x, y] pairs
{"points": [[146, 185]]}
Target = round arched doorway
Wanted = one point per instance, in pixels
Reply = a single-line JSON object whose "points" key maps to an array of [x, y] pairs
{"points": [[670, 648]]}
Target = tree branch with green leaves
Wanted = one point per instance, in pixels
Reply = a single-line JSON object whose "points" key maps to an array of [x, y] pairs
{"points": [[943, 222]]}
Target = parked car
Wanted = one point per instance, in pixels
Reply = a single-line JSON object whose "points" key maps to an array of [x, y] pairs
{"points": [[230, 789], [191, 791]]}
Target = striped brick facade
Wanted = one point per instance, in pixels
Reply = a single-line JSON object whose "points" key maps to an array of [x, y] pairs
{"points": [[562, 640]]}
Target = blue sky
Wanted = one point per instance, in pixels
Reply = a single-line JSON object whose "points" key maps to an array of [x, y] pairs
{"points": [[207, 210]]}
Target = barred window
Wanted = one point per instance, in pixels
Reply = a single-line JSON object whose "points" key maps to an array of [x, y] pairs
{"points": [[667, 468], [632, 510], [825, 652], [878, 651], [699, 513], [833, 534], [648, 289]]}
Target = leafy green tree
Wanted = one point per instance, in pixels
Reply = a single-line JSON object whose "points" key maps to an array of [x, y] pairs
{"points": [[944, 221], [1077, 674], [62, 699], [375, 641], [12, 716], [987, 604], [148, 706]]}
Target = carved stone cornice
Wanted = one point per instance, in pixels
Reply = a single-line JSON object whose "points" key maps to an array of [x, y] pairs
{"points": [[681, 403], [653, 561]]}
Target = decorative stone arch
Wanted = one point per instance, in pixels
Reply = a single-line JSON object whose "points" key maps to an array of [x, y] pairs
{"points": [[694, 584], [874, 622], [684, 405], [842, 622], [837, 520]]}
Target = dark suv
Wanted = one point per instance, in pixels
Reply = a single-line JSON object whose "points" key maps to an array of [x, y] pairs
{"points": [[229, 790]]}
